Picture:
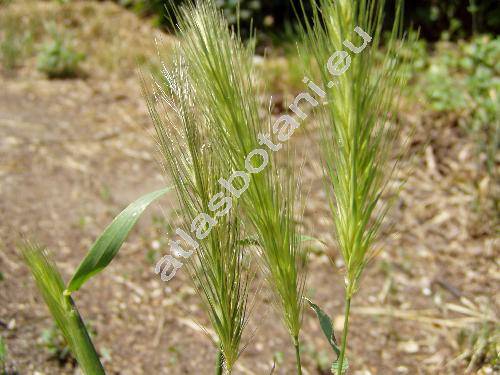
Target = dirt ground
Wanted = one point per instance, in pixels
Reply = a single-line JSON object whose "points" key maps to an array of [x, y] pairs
{"points": [[73, 153]]}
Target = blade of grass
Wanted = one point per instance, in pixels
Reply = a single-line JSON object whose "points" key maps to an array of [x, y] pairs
{"points": [[326, 326], [109, 242], [62, 308]]}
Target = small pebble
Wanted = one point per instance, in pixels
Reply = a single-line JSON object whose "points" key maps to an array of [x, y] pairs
{"points": [[338, 323], [409, 346], [12, 324]]}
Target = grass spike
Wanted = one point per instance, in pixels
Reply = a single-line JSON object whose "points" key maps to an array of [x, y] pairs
{"points": [[357, 125]]}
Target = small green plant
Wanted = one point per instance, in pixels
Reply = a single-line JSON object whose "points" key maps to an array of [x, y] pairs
{"points": [[57, 58], [62, 308], [57, 296]]}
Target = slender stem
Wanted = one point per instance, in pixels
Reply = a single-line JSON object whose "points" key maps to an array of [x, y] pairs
{"points": [[219, 364], [84, 349], [296, 343], [344, 333]]}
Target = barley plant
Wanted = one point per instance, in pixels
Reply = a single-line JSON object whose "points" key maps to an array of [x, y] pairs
{"points": [[220, 69], [58, 296], [357, 125], [217, 266]]}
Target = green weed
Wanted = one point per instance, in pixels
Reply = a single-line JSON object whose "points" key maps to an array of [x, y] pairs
{"points": [[58, 58]]}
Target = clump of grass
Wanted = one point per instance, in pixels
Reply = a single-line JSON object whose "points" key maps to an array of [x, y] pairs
{"points": [[357, 127], [223, 77], [58, 58]]}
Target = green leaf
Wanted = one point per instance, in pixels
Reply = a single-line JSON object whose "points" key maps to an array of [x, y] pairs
{"points": [[326, 325], [107, 245]]}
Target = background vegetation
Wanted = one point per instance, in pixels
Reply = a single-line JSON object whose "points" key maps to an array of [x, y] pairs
{"points": [[457, 18]]}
